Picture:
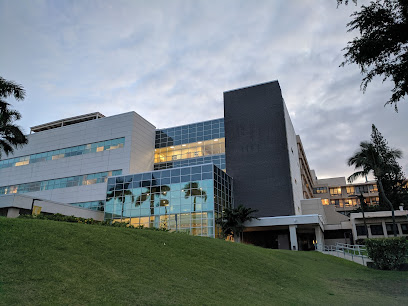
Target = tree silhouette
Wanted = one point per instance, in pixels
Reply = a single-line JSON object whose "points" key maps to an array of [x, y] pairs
{"points": [[233, 219], [152, 191], [376, 157], [121, 192], [11, 136], [382, 48], [192, 189]]}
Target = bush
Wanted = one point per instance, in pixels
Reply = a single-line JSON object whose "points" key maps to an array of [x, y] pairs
{"points": [[387, 253], [360, 241], [73, 219]]}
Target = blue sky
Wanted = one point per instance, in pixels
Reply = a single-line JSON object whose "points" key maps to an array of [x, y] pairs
{"points": [[171, 61]]}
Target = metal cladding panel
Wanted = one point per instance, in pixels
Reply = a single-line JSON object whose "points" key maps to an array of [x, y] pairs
{"points": [[256, 149]]}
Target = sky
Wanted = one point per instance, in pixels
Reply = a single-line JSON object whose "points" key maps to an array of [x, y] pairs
{"points": [[170, 61]]}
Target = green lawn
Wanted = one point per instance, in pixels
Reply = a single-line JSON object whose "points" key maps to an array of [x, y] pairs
{"points": [[48, 262]]}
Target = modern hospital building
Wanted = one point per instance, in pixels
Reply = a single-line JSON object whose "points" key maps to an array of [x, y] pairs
{"points": [[182, 178]]}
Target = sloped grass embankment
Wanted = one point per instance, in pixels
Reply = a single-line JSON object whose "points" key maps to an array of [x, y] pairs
{"points": [[48, 262]]}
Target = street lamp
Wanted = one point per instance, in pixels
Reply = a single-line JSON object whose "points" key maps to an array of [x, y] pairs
{"points": [[362, 203]]}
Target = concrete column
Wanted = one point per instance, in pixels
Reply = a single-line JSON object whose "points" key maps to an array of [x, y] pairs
{"points": [[384, 228], [319, 235], [13, 212], [369, 231], [399, 229], [293, 238], [354, 231]]}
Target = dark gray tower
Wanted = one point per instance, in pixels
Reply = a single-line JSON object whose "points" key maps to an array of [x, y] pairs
{"points": [[257, 154]]}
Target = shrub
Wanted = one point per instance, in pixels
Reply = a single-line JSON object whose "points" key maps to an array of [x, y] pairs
{"points": [[360, 241], [387, 253], [73, 219]]}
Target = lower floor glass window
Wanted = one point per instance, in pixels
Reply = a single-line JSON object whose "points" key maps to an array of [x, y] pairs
{"points": [[376, 229]]}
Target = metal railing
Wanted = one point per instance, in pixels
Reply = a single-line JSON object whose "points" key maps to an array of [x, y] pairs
{"points": [[347, 250]]}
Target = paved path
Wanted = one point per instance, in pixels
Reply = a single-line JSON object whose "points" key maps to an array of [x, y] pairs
{"points": [[348, 256]]}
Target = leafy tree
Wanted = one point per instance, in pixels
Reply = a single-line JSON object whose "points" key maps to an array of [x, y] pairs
{"points": [[393, 182], [382, 48], [11, 136], [233, 219], [377, 157], [194, 190]]}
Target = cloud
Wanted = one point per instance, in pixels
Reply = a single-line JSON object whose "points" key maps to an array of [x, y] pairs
{"points": [[171, 62]]}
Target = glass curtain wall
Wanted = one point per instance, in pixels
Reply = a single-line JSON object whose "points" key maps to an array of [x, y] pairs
{"points": [[72, 181], [191, 145], [187, 199], [63, 153]]}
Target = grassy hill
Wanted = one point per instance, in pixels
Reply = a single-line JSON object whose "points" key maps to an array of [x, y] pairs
{"points": [[48, 262]]}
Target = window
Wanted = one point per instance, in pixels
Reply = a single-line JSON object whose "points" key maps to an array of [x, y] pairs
{"points": [[325, 201], [374, 200], [336, 202], [87, 179], [350, 202], [361, 230], [390, 230], [376, 229], [373, 188], [63, 153], [361, 189], [350, 190], [404, 228], [335, 191], [318, 190]]}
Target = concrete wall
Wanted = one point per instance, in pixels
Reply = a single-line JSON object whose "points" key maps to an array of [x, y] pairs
{"points": [[333, 181], [313, 206], [294, 166], [378, 218], [135, 156], [16, 202]]}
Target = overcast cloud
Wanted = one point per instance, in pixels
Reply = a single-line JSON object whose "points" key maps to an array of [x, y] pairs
{"points": [[171, 61]]}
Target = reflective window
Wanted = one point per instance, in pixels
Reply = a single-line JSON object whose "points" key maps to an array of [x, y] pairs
{"points": [[93, 205], [190, 150], [218, 160], [63, 153], [87, 179], [190, 133], [184, 199]]}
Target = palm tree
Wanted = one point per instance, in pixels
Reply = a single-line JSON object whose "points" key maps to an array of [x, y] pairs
{"points": [[376, 157], [193, 190], [121, 192], [151, 193], [233, 219], [11, 136]]}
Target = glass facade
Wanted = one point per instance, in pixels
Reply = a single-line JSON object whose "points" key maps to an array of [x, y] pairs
{"points": [[191, 144], [111, 144], [93, 205], [79, 180], [187, 199], [218, 160]]}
